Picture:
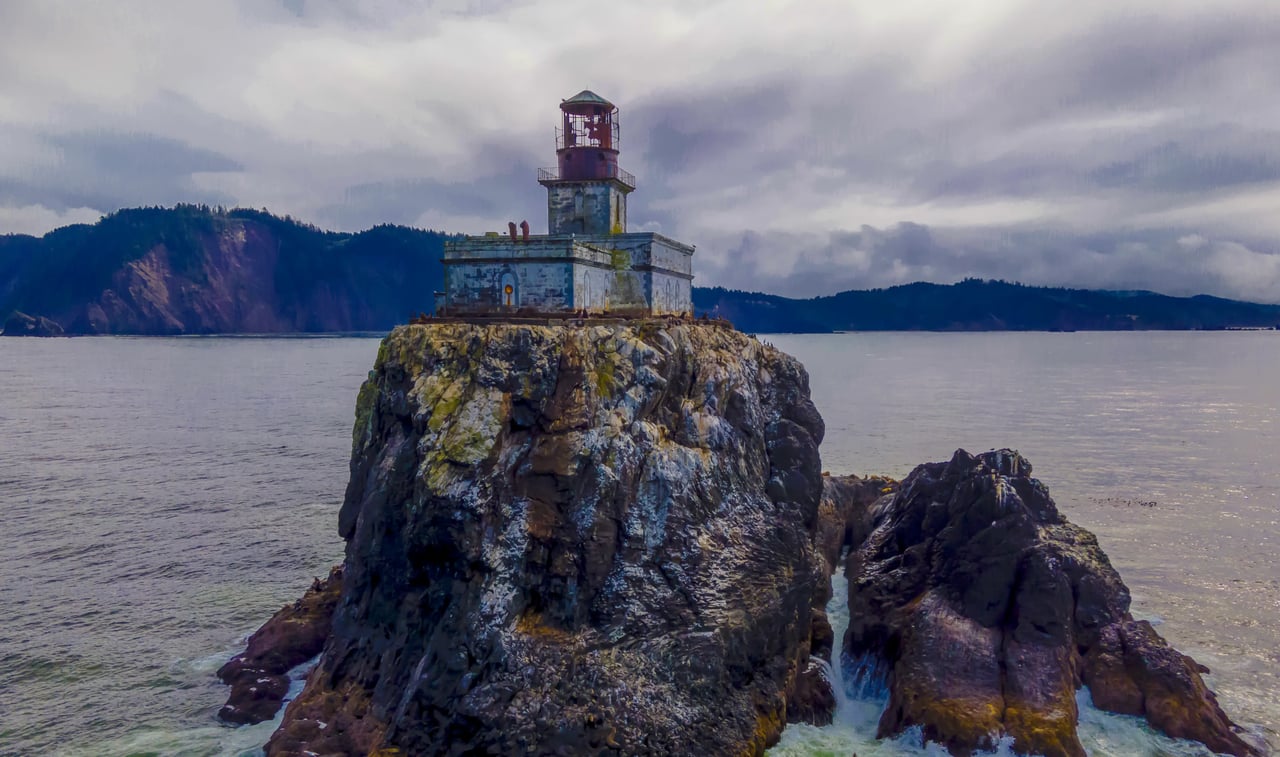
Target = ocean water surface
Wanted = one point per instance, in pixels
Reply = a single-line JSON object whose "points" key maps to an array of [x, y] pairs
{"points": [[162, 497]]}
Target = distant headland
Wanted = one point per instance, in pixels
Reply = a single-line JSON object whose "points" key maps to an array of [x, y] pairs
{"points": [[195, 269]]}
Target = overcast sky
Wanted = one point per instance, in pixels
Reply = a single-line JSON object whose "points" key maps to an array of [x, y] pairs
{"points": [[804, 147]]}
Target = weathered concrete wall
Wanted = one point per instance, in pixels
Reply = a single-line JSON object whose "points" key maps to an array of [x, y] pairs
{"points": [[642, 272], [588, 207], [541, 272], [671, 269], [670, 294], [669, 255], [480, 286], [592, 288], [653, 273], [647, 249]]}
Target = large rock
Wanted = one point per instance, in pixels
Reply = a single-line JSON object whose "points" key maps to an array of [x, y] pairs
{"points": [[258, 676], [21, 324], [988, 610], [567, 540]]}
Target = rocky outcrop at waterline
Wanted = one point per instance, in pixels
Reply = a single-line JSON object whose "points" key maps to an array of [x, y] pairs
{"points": [[985, 611], [21, 324], [571, 539], [258, 676]]}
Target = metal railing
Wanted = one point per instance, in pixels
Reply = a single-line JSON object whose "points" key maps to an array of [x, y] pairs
{"points": [[579, 136], [614, 172]]}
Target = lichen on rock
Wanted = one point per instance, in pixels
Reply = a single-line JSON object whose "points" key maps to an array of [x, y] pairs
{"points": [[572, 539]]}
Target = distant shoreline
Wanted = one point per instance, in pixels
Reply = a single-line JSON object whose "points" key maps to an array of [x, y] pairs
{"points": [[381, 334], [196, 270]]}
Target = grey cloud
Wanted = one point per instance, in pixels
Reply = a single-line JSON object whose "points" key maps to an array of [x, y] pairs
{"points": [[1174, 167], [513, 195], [683, 130], [130, 157], [1078, 124], [1170, 261], [109, 170]]}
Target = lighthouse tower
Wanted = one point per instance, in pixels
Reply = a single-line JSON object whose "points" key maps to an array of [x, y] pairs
{"points": [[587, 260], [587, 191]]}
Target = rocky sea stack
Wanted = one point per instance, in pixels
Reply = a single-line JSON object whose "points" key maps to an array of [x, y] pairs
{"points": [[565, 539], [985, 610], [615, 538]]}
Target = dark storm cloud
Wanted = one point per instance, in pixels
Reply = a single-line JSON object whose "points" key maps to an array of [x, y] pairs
{"points": [[804, 149], [1170, 261], [111, 170], [1173, 167], [680, 131], [505, 195]]}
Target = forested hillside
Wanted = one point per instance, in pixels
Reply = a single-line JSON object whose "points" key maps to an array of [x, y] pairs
{"points": [[193, 269], [200, 270], [976, 305]]}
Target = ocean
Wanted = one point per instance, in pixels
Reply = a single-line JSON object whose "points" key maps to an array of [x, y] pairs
{"points": [[162, 497]]}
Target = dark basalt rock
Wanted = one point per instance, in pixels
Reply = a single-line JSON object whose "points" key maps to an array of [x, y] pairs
{"points": [[1131, 670], [989, 609], [812, 699], [258, 676], [845, 512], [21, 324], [573, 540], [843, 519]]}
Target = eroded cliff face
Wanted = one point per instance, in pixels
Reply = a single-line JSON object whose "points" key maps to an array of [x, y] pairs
{"points": [[596, 539], [198, 270], [229, 289]]}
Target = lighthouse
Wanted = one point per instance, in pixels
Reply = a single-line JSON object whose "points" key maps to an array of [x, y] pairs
{"points": [[587, 260], [587, 191]]}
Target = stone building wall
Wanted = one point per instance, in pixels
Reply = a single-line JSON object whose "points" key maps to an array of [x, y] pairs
{"points": [[541, 272], [635, 273], [671, 266], [592, 288], [588, 207], [479, 287]]}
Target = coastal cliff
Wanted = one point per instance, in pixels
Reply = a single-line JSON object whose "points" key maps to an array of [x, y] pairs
{"points": [[198, 270], [572, 539]]}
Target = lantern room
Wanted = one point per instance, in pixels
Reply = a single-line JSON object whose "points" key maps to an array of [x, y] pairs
{"points": [[586, 190], [587, 140]]}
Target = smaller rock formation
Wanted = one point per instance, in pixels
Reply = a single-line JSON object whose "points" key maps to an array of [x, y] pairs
{"points": [[989, 610], [258, 676], [21, 324]]}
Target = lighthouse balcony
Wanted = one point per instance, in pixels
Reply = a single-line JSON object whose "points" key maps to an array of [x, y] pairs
{"points": [[597, 172]]}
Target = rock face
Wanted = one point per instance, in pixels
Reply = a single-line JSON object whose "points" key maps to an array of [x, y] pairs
{"points": [[21, 324], [988, 610], [258, 676], [568, 540]]}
